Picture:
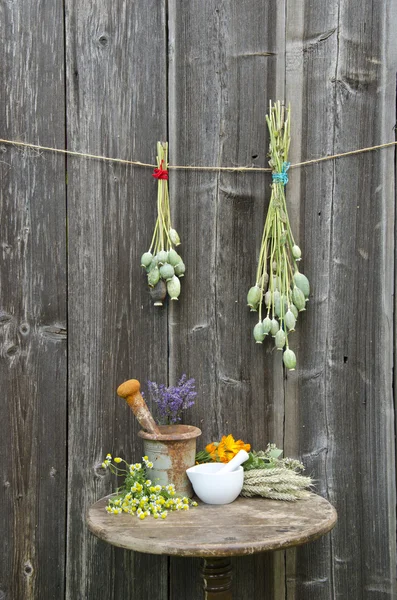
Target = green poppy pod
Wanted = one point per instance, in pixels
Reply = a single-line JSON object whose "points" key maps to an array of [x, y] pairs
{"points": [[296, 252], [174, 287], [276, 283], [265, 281], [259, 334], [298, 298], [173, 257], [267, 325], [162, 256], [158, 293], [302, 282], [268, 299], [289, 359], [153, 276], [279, 339], [294, 310], [278, 304], [290, 320], [275, 327], [174, 237], [254, 296], [146, 259], [167, 271], [180, 269], [152, 265]]}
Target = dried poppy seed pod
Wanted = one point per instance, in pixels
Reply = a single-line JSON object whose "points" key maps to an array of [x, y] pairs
{"points": [[267, 325], [259, 334], [253, 297], [158, 293], [294, 310], [174, 237], [298, 298], [146, 259], [268, 299], [275, 327], [280, 339], [302, 282], [290, 320], [162, 257], [173, 257], [153, 276], [180, 269], [167, 272], [296, 252], [289, 359], [174, 287]]}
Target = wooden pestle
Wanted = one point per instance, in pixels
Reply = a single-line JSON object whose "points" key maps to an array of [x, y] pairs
{"points": [[131, 391]]}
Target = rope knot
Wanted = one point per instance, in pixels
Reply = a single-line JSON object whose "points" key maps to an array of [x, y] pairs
{"points": [[160, 173], [282, 177]]}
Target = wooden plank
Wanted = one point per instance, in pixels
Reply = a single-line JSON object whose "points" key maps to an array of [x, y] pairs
{"points": [[310, 66], [225, 65], [339, 71], [33, 304], [116, 107]]}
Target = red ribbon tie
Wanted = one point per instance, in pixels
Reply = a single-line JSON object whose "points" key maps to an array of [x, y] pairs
{"points": [[160, 173]]}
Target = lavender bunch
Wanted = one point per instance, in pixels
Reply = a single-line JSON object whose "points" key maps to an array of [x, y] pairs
{"points": [[173, 400]]}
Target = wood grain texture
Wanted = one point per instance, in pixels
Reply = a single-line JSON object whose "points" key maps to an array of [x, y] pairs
{"points": [[201, 74], [32, 304], [310, 68], [244, 527], [116, 106], [219, 80], [339, 68]]}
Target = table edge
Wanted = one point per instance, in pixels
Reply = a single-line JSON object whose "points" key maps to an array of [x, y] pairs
{"points": [[216, 549]]}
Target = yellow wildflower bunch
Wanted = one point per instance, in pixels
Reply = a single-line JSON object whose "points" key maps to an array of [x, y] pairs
{"points": [[138, 495]]}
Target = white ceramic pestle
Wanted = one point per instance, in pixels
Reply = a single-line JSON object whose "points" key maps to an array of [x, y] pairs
{"points": [[236, 461]]}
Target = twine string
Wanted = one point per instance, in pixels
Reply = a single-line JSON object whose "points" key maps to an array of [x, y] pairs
{"points": [[137, 163]]}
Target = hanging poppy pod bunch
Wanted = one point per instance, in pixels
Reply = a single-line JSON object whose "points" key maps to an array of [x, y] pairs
{"points": [[164, 266], [281, 290]]}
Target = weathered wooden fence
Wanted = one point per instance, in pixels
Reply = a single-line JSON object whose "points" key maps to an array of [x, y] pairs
{"points": [[112, 78]]}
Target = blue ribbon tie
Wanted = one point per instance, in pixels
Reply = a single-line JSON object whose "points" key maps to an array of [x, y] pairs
{"points": [[282, 177]]}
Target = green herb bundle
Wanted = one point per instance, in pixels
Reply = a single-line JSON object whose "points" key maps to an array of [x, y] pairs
{"points": [[280, 291], [163, 264]]}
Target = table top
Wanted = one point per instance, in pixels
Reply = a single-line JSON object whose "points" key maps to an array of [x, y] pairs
{"points": [[246, 526]]}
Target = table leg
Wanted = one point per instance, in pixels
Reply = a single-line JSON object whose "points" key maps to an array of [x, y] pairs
{"points": [[217, 578]]}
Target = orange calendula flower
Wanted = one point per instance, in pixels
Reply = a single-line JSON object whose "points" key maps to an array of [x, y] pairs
{"points": [[243, 446], [222, 451], [229, 447], [211, 449]]}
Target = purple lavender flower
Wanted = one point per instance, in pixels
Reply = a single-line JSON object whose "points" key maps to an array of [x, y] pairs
{"points": [[172, 400]]}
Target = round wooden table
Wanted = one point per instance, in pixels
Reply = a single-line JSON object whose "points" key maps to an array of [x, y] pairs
{"points": [[246, 526]]}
